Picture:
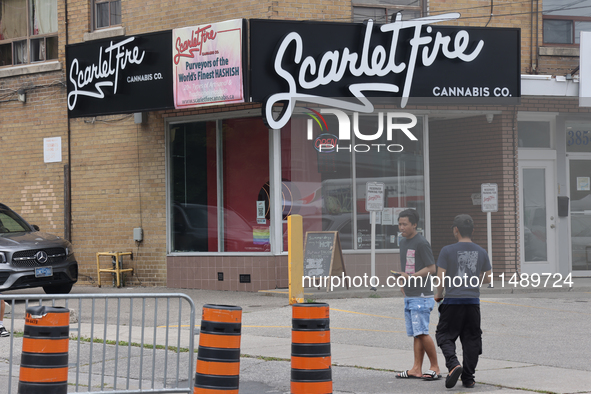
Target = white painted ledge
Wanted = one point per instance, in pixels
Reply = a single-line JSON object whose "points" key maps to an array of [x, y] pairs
{"points": [[30, 69]]}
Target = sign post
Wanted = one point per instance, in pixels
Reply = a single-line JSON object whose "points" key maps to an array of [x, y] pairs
{"points": [[490, 203], [374, 201]]}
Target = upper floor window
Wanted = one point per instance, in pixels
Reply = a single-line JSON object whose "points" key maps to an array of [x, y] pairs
{"points": [[107, 13], [28, 31], [565, 19], [384, 11]]}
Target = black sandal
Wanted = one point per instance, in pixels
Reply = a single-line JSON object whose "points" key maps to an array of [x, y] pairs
{"points": [[453, 376]]}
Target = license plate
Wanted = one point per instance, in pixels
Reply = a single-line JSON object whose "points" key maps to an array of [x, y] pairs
{"points": [[42, 272]]}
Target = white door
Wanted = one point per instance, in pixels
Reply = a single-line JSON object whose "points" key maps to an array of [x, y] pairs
{"points": [[537, 198]]}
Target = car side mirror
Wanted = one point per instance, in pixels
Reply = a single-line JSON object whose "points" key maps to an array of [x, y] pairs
{"points": [[36, 227]]}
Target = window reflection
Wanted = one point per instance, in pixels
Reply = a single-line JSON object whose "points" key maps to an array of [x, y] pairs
{"points": [[332, 183]]}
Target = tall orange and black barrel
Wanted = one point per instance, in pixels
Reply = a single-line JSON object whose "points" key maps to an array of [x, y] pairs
{"points": [[218, 356], [310, 349], [44, 361]]}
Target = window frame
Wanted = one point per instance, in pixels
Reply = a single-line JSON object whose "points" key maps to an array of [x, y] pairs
{"points": [[95, 3], [572, 19], [421, 8], [218, 118], [276, 218], [355, 218], [29, 39]]}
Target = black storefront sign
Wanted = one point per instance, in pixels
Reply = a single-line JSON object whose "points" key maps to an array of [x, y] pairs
{"points": [[120, 75], [411, 62]]}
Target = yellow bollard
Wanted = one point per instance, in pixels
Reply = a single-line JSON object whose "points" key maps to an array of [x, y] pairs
{"points": [[295, 247]]}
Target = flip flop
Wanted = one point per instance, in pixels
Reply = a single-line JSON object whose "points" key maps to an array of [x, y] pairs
{"points": [[431, 375], [405, 375], [452, 377]]}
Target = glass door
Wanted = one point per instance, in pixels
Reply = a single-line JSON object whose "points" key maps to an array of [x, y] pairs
{"points": [[580, 214], [538, 217]]}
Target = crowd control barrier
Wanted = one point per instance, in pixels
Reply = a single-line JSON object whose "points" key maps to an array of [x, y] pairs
{"points": [[118, 343], [44, 360], [310, 349], [218, 357]]}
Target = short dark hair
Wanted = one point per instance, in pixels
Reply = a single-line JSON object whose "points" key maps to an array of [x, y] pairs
{"points": [[411, 214], [465, 225]]}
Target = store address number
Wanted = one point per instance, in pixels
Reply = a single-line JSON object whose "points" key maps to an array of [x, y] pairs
{"points": [[578, 137]]}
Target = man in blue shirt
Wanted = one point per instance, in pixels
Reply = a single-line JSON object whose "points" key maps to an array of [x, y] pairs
{"points": [[462, 267]]}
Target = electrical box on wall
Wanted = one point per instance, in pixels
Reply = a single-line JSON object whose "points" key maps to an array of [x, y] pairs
{"points": [[140, 117], [138, 234], [562, 206]]}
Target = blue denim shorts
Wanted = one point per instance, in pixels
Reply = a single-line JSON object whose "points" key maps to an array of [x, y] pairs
{"points": [[417, 311]]}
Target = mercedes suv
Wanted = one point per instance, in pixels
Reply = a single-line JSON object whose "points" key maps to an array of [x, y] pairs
{"points": [[31, 258]]}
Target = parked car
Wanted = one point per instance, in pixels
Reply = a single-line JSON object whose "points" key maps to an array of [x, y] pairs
{"points": [[195, 229], [31, 258]]}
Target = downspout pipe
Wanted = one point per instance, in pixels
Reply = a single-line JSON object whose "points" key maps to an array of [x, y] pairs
{"points": [[68, 166]]}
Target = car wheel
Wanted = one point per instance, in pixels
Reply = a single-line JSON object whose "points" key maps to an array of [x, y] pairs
{"points": [[58, 289]]}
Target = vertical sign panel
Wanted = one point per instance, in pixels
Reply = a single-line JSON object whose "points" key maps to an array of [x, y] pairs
{"points": [[208, 64], [490, 197]]}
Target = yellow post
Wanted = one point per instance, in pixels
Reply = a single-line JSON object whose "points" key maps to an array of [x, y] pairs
{"points": [[295, 247]]}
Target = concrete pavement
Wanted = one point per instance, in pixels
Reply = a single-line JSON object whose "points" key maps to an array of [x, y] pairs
{"points": [[535, 339]]}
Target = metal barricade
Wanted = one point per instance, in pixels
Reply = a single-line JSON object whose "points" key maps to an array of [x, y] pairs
{"points": [[119, 343]]}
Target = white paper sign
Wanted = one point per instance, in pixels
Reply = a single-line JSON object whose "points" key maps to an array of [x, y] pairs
{"points": [[374, 196], [490, 197], [583, 183], [260, 210], [378, 218], [52, 150], [387, 217]]}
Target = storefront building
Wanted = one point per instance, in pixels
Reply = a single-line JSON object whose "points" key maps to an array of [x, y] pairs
{"points": [[212, 182]]}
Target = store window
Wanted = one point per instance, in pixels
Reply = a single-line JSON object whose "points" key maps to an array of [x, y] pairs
{"points": [[218, 178], [534, 215], [328, 184], [534, 134], [384, 11], [28, 31], [564, 20], [578, 137], [107, 13]]}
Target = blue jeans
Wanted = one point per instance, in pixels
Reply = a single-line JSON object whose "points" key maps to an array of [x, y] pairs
{"points": [[417, 311]]}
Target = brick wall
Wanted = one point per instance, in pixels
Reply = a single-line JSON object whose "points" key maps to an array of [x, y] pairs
{"points": [[165, 15], [505, 13], [28, 185], [464, 154], [118, 183]]}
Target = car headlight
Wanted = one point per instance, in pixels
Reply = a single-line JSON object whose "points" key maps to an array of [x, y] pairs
{"points": [[2, 257], [69, 250]]}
